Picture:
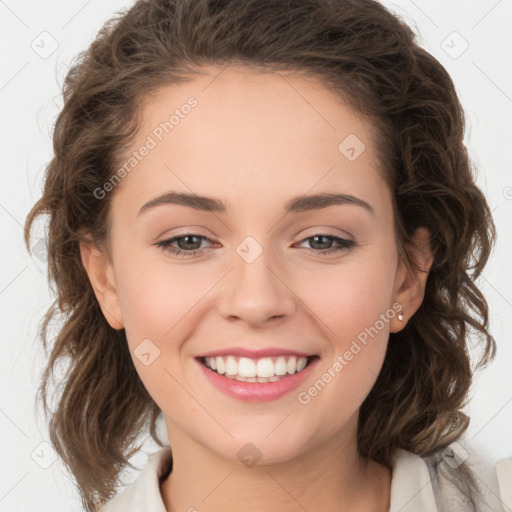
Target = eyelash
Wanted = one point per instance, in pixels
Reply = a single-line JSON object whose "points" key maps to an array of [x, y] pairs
{"points": [[343, 245]]}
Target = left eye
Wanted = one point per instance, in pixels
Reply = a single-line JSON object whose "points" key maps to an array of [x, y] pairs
{"points": [[341, 244]]}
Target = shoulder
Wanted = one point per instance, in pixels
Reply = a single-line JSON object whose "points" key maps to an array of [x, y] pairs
{"points": [[455, 478], [504, 474], [144, 495]]}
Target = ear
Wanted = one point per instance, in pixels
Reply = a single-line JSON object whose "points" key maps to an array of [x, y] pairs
{"points": [[101, 275], [411, 277]]}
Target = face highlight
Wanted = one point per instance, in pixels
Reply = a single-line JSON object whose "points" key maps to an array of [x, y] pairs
{"points": [[255, 240]]}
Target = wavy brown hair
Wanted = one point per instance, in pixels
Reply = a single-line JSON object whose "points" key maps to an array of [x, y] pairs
{"points": [[370, 58]]}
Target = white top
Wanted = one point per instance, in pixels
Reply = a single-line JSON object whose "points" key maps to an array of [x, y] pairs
{"points": [[414, 486]]}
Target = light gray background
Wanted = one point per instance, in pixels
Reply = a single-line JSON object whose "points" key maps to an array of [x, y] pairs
{"points": [[38, 41]]}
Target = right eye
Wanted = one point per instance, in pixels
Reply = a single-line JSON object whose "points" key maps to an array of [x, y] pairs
{"points": [[187, 245]]}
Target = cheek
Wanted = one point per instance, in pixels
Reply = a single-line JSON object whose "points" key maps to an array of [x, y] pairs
{"points": [[353, 302], [155, 296], [357, 342], [157, 302], [350, 296]]}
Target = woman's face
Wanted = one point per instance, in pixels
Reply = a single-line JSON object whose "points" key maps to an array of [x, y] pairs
{"points": [[270, 274]]}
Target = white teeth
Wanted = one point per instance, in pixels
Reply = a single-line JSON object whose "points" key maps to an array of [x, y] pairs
{"points": [[266, 369], [281, 367], [301, 363], [246, 367], [231, 366], [221, 368]]}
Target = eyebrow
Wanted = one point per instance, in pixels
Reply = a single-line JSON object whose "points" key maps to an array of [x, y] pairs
{"points": [[295, 205]]}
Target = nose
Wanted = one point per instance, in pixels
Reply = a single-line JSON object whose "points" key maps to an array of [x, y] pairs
{"points": [[256, 292]]}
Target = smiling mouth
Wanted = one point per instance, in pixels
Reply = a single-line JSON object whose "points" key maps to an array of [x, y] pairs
{"points": [[263, 370]]}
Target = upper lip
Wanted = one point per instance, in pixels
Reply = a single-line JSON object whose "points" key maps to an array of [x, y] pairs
{"points": [[255, 353]]}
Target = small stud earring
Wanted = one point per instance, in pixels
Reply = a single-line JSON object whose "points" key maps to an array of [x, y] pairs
{"points": [[400, 316]]}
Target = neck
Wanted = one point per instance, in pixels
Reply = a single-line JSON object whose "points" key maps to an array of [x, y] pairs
{"points": [[332, 477]]}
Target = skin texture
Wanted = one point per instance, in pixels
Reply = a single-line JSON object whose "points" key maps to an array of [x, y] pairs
{"points": [[255, 141]]}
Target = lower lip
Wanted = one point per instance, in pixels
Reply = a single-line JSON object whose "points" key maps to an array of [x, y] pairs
{"points": [[256, 391]]}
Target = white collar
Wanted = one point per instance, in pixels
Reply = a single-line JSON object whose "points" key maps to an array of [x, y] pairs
{"points": [[411, 488], [143, 495], [411, 485]]}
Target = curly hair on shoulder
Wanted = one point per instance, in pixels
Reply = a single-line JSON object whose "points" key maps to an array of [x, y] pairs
{"points": [[369, 58]]}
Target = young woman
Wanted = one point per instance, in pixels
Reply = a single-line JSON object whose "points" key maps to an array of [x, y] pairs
{"points": [[264, 227]]}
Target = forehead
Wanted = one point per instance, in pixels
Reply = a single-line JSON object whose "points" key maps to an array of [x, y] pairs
{"points": [[265, 134]]}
